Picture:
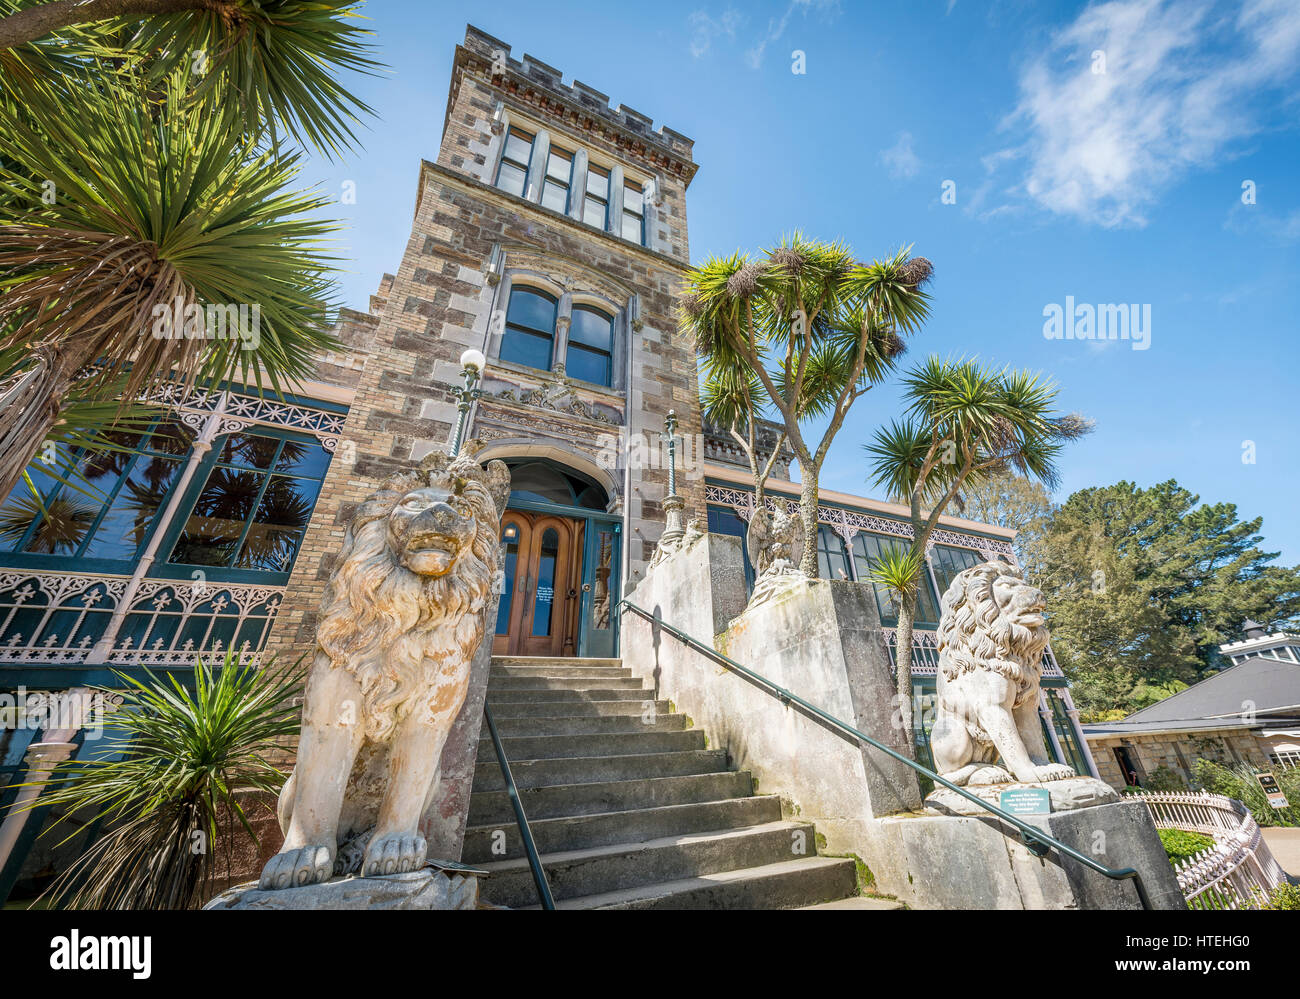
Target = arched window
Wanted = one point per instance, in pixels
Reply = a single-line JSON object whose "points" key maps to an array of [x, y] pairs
{"points": [[542, 482], [591, 346], [530, 328]]}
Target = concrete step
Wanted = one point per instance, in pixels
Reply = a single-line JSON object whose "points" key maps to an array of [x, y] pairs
{"points": [[554, 661], [608, 796], [564, 683], [501, 840], [548, 695], [858, 902], [565, 672], [575, 873], [790, 884], [509, 727], [551, 747], [600, 769], [574, 708]]}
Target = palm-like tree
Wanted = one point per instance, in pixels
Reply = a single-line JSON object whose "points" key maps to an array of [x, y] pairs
{"points": [[159, 208], [965, 421], [171, 779], [814, 328], [62, 522]]}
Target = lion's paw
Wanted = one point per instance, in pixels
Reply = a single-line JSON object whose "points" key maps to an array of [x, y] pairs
{"points": [[990, 775], [394, 855], [307, 865], [1054, 771]]}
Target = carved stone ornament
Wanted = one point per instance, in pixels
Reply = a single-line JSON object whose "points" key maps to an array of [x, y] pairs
{"points": [[400, 622], [556, 395], [991, 640]]}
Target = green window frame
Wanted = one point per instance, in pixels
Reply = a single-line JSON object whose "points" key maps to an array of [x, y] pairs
{"points": [[590, 353], [529, 337], [832, 556], [868, 547]]}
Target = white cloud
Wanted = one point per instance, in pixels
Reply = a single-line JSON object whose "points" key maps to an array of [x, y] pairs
{"points": [[777, 25], [900, 159], [705, 28], [1183, 81]]}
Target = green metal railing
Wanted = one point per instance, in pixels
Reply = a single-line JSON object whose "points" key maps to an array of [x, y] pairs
{"points": [[525, 832], [1038, 842]]}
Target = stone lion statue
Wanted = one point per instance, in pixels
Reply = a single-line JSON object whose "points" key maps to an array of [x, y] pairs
{"points": [[991, 642], [400, 622]]}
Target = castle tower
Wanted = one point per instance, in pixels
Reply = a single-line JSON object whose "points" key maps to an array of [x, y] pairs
{"points": [[550, 234]]}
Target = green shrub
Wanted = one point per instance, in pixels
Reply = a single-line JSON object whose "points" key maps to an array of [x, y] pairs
{"points": [[1163, 779], [1284, 896], [1179, 845], [1239, 782]]}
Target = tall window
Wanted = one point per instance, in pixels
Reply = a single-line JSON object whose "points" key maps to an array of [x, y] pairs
{"points": [[530, 328], [634, 213], [595, 209], [948, 562], [559, 177], [832, 560], [107, 509], [867, 550], [725, 520], [512, 175], [255, 505], [591, 344]]}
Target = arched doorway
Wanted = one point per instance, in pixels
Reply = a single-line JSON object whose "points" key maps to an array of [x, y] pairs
{"points": [[561, 564]]}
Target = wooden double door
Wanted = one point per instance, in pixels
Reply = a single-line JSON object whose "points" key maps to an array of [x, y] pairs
{"points": [[541, 596]]}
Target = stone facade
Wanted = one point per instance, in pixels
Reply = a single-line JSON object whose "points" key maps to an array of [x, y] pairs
{"points": [[470, 243], [1177, 752]]}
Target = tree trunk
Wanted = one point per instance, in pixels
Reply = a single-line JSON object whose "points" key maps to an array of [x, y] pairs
{"points": [[808, 514], [29, 408], [903, 656], [34, 23]]}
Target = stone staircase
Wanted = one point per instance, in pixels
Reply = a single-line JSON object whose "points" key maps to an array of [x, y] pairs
{"points": [[629, 807]]}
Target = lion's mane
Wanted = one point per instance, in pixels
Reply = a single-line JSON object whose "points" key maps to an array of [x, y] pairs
{"points": [[402, 635], [975, 633]]}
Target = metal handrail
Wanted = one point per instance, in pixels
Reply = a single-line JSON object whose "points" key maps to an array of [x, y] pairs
{"points": [[512, 792], [1030, 834]]}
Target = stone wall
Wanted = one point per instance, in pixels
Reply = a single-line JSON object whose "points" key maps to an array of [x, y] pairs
{"points": [[1178, 752]]}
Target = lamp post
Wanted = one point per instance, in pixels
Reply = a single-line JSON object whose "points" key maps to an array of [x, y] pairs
{"points": [[673, 504], [471, 363]]}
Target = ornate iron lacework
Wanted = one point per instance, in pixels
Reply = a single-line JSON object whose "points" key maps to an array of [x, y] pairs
{"points": [[847, 523], [925, 653], [58, 617], [238, 412]]}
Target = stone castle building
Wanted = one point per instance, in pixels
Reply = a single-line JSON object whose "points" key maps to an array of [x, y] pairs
{"points": [[550, 233]]}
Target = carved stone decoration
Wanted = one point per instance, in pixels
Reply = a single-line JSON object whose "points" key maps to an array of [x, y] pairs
{"points": [[400, 622], [556, 395], [991, 640], [775, 543]]}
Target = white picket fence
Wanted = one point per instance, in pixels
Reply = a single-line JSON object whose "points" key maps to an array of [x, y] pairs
{"points": [[1238, 871]]}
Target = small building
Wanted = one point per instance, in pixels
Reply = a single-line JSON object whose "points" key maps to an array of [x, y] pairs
{"points": [[1246, 713]]}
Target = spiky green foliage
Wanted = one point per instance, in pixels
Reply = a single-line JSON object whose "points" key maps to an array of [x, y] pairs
{"points": [[170, 781], [898, 569], [812, 326], [153, 204]]}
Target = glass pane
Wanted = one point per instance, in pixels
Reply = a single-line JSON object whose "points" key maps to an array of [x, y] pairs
{"points": [[595, 329], [248, 451], [540, 483], [125, 526], [587, 365], [306, 458], [832, 563], [510, 536], [211, 533], [532, 309], [601, 585], [559, 166], [511, 179], [555, 196], [632, 228], [276, 531], [170, 437], [543, 608], [593, 213], [519, 146], [598, 184], [633, 199], [526, 348]]}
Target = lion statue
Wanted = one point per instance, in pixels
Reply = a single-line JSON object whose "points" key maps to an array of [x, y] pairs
{"points": [[401, 619], [991, 642]]}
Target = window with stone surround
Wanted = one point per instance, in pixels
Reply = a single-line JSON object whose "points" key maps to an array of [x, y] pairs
{"points": [[595, 207], [530, 328], [634, 212], [512, 174], [547, 327], [559, 179], [591, 345]]}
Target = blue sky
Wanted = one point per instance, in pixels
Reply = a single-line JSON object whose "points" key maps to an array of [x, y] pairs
{"points": [[1123, 185]]}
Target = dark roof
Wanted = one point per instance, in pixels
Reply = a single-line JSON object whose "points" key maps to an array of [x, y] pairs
{"points": [[1269, 684], [1127, 727]]}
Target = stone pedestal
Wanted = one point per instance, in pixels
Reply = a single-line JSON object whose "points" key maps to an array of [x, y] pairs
{"points": [[1066, 796], [419, 890]]}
